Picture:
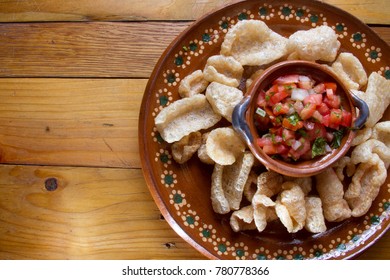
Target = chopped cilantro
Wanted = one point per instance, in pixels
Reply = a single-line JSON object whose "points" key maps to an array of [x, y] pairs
{"points": [[318, 148], [278, 108], [338, 135], [294, 118]]}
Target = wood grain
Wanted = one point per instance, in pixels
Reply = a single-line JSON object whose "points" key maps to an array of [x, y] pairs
{"points": [[92, 49], [83, 122], [122, 10], [93, 214]]}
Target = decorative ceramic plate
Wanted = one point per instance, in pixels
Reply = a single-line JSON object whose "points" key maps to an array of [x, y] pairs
{"points": [[182, 192]]}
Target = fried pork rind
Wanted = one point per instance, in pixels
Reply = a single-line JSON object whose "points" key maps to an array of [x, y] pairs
{"points": [[377, 97], [193, 84], [331, 192], [218, 199], [202, 153], [350, 70], [250, 187], [183, 149], [223, 99], [224, 145], [381, 132], [228, 183], [242, 219], [290, 207], [223, 69], [235, 177], [263, 211], [364, 152], [185, 116], [344, 163], [269, 183], [362, 135], [318, 43], [373, 158], [367, 181], [315, 221], [251, 42], [304, 182]]}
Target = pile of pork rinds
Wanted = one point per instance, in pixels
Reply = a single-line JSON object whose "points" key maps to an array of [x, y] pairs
{"points": [[193, 124]]}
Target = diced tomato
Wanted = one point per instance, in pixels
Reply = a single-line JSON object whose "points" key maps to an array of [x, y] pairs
{"points": [[287, 79], [270, 92], [323, 109], [346, 119], [320, 88], [330, 93], [326, 120], [261, 99], [277, 97], [294, 127], [276, 131], [264, 141], [317, 116], [314, 99], [274, 149], [331, 86], [288, 136], [335, 117], [307, 111], [305, 147], [280, 109], [318, 131], [335, 103]]}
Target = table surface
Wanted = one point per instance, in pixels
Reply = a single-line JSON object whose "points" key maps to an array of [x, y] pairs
{"points": [[73, 74]]}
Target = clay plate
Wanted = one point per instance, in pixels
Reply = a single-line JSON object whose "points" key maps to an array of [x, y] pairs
{"points": [[182, 192]]}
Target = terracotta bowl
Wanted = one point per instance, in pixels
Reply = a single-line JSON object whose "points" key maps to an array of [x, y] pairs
{"points": [[243, 117]]}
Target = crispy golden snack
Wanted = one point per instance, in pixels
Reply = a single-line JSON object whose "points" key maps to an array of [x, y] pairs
{"points": [[315, 221], [331, 191], [224, 70], [290, 207], [377, 97], [223, 99], [252, 42], [202, 153], [350, 70], [318, 43], [243, 219], [224, 146], [235, 177], [184, 116], [183, 149], [192, 84], [218, 199]]}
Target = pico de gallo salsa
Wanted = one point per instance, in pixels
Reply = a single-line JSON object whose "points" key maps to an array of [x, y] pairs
{"points": [[300, 119]]}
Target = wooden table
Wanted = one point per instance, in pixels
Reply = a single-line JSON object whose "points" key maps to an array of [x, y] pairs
{"points": [[73, 74]]}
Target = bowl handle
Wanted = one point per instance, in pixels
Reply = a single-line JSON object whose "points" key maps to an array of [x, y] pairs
{"points": [[238, 119], [364, 111]]}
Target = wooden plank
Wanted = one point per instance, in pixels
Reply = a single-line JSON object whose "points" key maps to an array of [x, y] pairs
{"points": [[375, 12], [93, 214], [93, 49], [83, 122], [89, 49]]}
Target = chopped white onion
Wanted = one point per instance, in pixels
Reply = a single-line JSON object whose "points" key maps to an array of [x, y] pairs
{"points": [[311, 91], [308, 125], [299, 94], [302, 78], [328, 149], [296, 144]]}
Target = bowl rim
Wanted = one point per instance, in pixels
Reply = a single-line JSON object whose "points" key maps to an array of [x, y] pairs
{"points": [[303, 168]]}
